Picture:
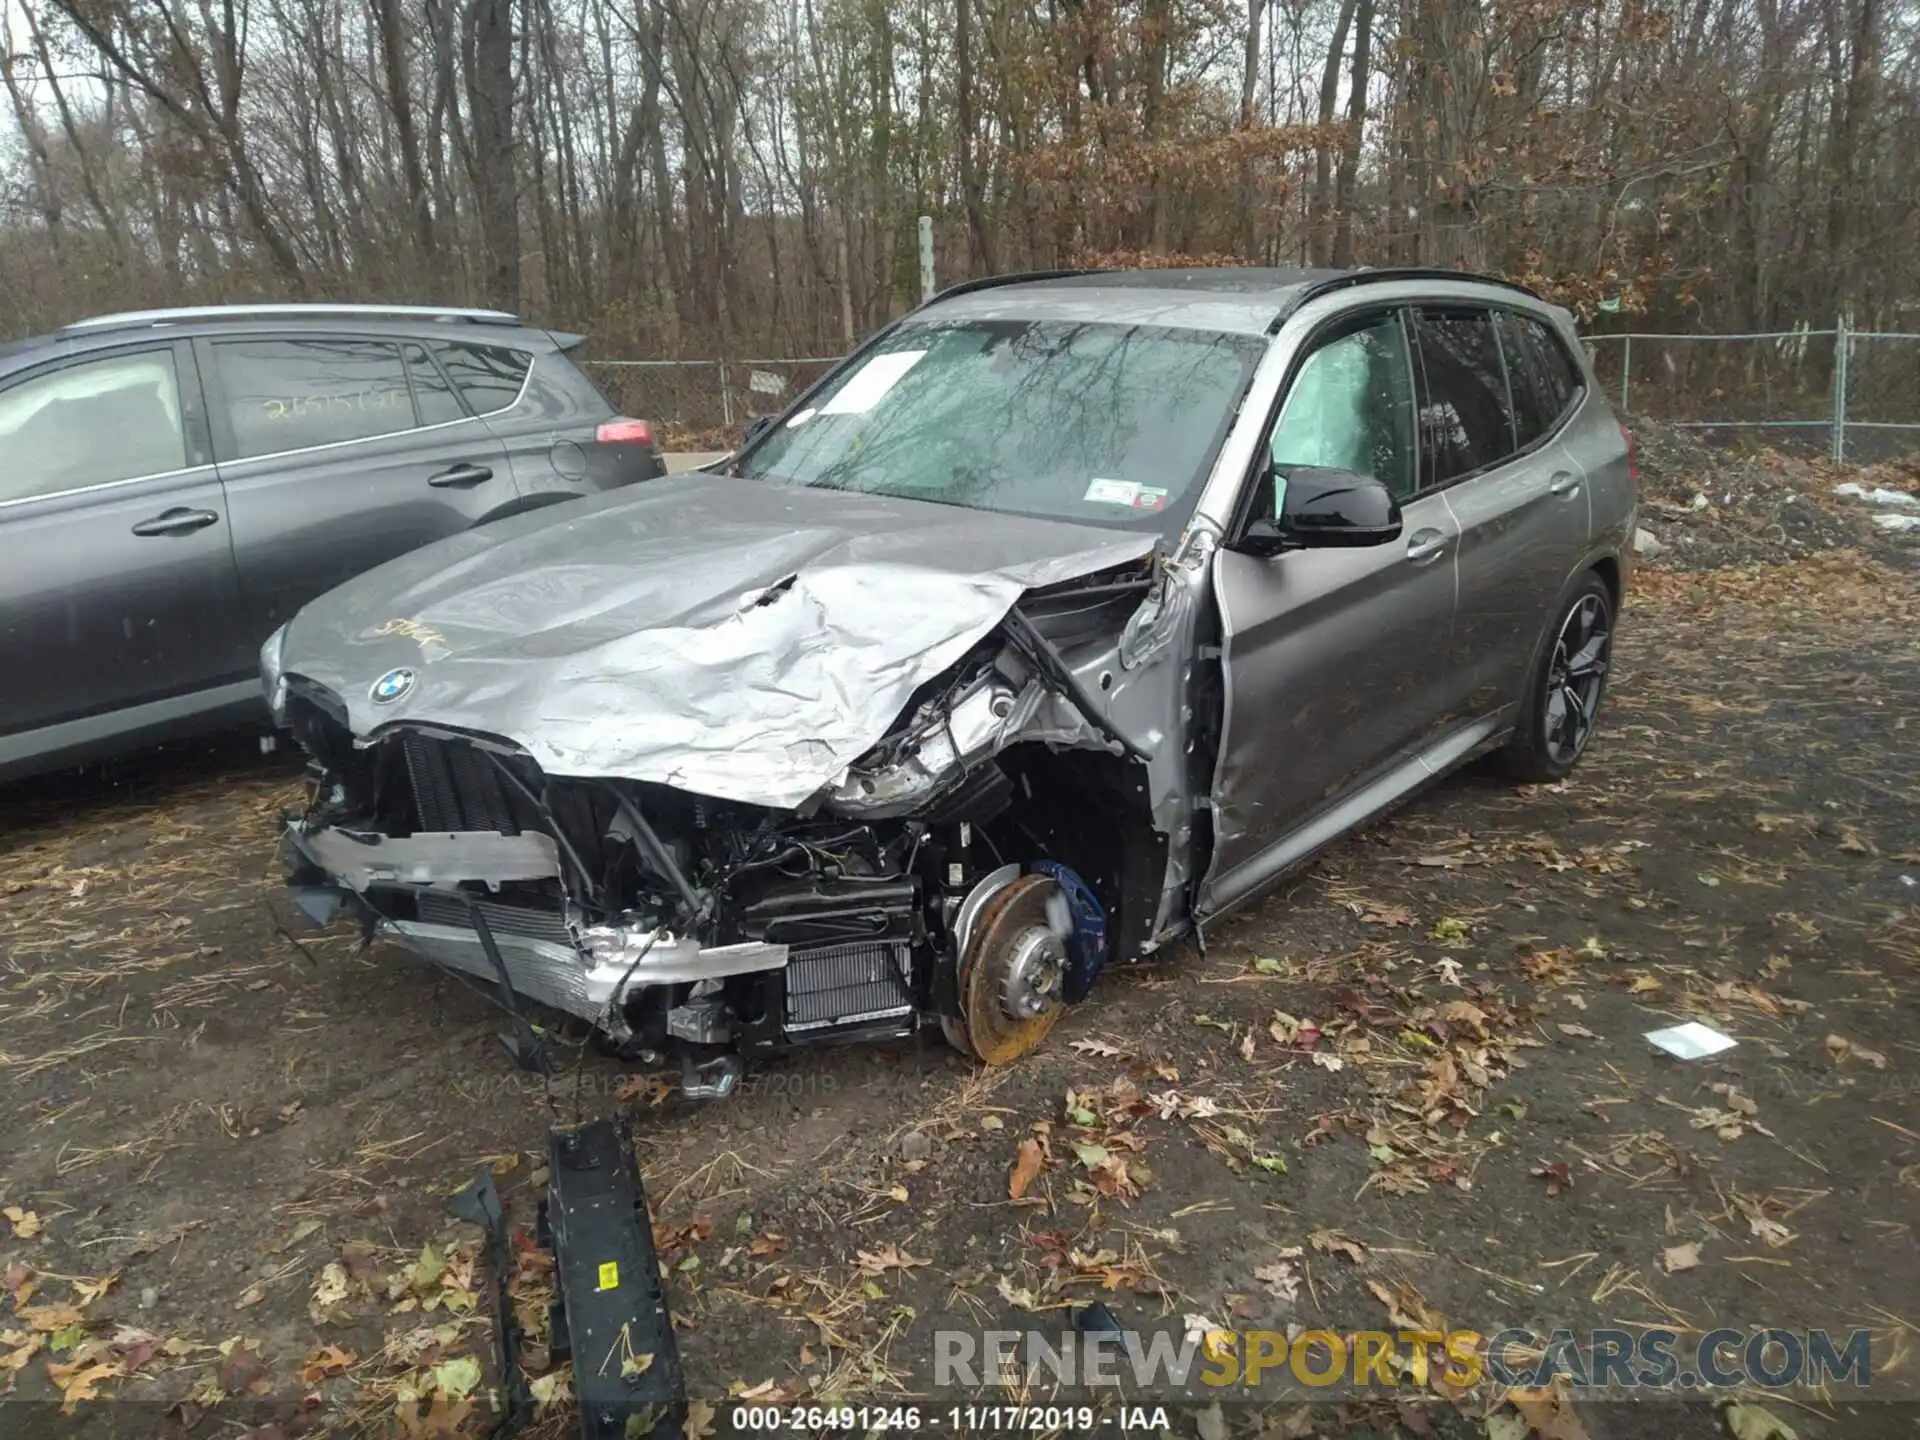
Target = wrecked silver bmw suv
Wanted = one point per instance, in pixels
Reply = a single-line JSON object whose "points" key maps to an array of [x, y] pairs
{"points": [[1055, 623]]}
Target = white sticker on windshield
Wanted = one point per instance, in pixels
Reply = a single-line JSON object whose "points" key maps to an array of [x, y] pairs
{"points": [[1112, 492], [801, 417], [872, 381]]}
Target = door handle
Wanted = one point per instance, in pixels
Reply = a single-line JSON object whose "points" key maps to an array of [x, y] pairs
{"points": [[462, 474], [1426, 545], [176, 521], [1564, 483]]}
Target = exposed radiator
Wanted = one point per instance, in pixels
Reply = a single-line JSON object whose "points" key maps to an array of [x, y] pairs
{"points": [[456, 787], [501, 919], [841, 984]]}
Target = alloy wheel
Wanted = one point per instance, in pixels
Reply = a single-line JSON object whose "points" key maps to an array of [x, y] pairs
{"points": [[1575, 678]]}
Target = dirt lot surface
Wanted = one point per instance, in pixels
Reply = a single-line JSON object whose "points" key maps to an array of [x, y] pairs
{"points": [[1409, 1087]]}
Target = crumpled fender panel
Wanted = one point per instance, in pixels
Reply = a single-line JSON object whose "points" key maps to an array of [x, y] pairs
{"points": [[733, 638]]}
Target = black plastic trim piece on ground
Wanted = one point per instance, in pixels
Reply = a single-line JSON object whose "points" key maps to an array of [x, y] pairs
{"points": [[626, 1364]]}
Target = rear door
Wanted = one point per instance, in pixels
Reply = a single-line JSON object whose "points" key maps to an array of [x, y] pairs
{"points": [[1490, 427], [1335, 658], [339, 452], [117, 582], [551, 418]]}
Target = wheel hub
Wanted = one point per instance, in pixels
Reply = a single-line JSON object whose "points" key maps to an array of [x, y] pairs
{"points": [[1036, 961]]}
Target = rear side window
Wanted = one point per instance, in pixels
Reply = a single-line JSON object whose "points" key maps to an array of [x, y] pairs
{"points": [[1544, 379], [1466, 418], [90, 424], [432, 395], [296, 394], [490, 376]]}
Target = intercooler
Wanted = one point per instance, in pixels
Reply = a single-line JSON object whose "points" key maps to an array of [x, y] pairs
{"points": [[456, 787], [857, 983], [519, 920]]}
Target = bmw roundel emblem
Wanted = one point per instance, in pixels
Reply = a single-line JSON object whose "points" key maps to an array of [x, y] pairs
{"points": [[391, 686]]}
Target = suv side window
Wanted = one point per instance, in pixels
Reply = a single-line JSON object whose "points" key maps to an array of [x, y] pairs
{"points": [[1350, 407], [116, 418], [296, 394], [1545, 380], [489, 376], [433, 397], [1466, 414]]}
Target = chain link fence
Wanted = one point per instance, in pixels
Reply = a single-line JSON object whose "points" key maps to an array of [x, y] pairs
{"points": [[1855, 394]]}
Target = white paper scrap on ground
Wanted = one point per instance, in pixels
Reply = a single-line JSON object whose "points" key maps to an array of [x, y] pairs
{"points": [[1691, 1041]]}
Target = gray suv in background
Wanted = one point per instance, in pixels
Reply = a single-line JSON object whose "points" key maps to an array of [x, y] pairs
{"points": [[175, 484]]}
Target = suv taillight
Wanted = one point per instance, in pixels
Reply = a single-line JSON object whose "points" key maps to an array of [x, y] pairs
{"points": [[625, 432], [1633, 454]]}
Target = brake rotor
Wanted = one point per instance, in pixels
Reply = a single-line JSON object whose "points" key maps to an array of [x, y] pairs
{"points": [[1011, 975]]}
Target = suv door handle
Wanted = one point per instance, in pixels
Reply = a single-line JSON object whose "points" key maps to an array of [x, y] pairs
{"points": [[1426, 545], [1563, 483], [176, 521], [463, 474]]}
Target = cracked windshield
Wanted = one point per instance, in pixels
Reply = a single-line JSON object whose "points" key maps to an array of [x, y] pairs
{"points": [[1099, 424]]}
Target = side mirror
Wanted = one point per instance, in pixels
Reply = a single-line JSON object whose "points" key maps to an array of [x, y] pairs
{"points": [[1313, 507], [756, 427]]}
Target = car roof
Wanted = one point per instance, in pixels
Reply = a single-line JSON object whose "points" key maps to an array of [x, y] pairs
{"points": [[479, 327], [1250, 300]]}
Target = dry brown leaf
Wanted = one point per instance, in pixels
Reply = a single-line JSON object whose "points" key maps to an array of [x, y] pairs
{"points": [[326, 1360], [887, 1257], [1337, 1242], [1676, 1258], [1026, 1166]]}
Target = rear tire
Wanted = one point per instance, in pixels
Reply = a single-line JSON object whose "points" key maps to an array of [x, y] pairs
{"points": [[1569, 680]]}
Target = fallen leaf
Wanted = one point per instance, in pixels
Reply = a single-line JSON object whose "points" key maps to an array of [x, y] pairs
{"points": [[80, 1380], [326, 1360], [1336, 1242], [1559, 1179], [1753, 1422], [1267, 965], [1101, 1048], [1579, 1031], [330, 1287], [888, 1257], [87, 1290], [1676, 1258], [25, 1223], [1089, 1154], [1841, 1048], [457, 1378], [636, 1365], [1326, 1060], [1026, 1166], [295, 1236], [1282, 1275], [553, 1388]]}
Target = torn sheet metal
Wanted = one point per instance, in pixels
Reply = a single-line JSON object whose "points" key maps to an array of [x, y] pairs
{"points": [[733, 638]]}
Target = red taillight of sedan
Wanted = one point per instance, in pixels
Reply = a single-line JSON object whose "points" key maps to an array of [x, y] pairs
{"points": [[625, 432]]}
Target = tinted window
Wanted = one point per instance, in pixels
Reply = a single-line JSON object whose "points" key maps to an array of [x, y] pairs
{"points": [[293, 394], [490, 376], [87, 424], [433, 397], [1108, 424], [1545, 382], [1351, 407], [1465, 418]]}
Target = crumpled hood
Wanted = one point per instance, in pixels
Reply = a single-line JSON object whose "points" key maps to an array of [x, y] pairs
{"points": [[619, 636]]}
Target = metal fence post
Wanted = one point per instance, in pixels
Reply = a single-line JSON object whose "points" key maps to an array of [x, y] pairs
{"points": [[1626, 369], [726, 396], [926, 258], [1841, 345]]}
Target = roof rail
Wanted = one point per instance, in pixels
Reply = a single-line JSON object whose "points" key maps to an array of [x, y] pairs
{"points": [[1018, 277], [133, 318], [1367, 275]]}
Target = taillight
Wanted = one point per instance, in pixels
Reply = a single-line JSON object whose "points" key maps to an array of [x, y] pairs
{"points": [[625, 432], [1633, 454]]}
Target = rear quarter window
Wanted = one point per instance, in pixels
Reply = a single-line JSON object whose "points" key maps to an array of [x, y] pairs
{"points": [[489, 376], [1546, 381]]}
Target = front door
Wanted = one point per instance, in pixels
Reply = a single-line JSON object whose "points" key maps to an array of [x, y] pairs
{"points": [[340, 452], [1335, 659], [117, 586]]}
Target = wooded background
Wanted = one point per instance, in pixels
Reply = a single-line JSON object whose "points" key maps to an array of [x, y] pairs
{"points": [[713, 177]]}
